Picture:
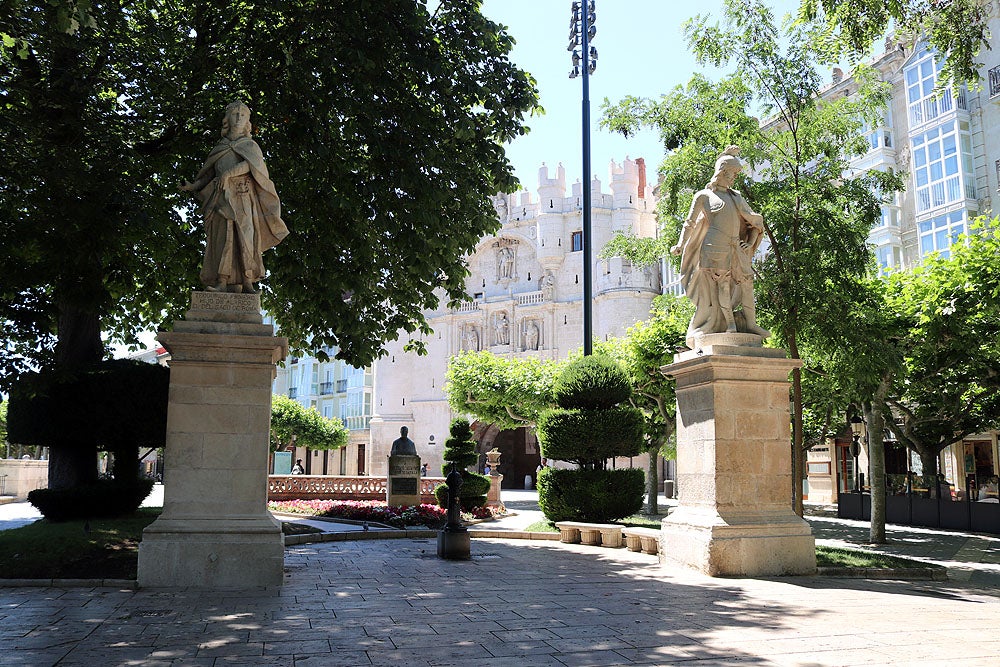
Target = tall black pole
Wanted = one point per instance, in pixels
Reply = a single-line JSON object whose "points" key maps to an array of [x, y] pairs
{"points": [[588, 268]]}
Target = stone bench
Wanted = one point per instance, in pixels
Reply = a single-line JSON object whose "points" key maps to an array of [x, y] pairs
{"points": [[606, 534], [646, 540]]}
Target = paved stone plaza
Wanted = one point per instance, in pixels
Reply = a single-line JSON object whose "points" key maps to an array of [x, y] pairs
{"points": [[518, 602]]}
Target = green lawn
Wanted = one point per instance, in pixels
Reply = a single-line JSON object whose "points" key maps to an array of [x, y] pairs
{"points": [[855, 558], [95, 549]]}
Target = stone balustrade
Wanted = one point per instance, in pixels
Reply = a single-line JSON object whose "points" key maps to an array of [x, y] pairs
{"points": [[338, 487]]}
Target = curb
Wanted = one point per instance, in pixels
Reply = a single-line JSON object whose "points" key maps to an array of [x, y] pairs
{"points": [[906, 573], [292, 540]]}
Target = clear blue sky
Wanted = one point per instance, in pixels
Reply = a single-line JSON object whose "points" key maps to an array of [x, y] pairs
{"points": [[641, 51]]}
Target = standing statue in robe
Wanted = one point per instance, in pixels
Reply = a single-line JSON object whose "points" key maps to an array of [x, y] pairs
{"points": [[240, 207], [717, 244]]}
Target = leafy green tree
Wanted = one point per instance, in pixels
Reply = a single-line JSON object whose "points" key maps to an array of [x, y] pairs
{"points": [[460, 449], [816, 221], [382, 124], [949, 387], [507, 391], [641, 352], [957, 28], [293, 424], [3, 426]]}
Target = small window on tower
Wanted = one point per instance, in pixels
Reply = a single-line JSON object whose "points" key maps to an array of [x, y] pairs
{"points": [[577, 241]]}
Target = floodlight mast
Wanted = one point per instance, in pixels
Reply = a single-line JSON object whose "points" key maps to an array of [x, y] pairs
{"points": [[582, 30]]}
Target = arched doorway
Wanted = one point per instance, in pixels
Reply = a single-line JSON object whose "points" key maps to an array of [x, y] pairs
{"points": [[518, 448]]}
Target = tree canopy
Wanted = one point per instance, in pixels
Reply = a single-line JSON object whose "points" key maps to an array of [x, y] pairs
{"points": [[291, 423], [509, 392], [382, 124], [955, 28]]}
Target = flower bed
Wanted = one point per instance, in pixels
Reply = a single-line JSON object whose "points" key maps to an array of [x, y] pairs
{"points": [[375, 511]]}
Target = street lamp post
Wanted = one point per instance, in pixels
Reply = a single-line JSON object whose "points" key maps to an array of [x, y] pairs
{"points": [[581, 31], [857, 430]]}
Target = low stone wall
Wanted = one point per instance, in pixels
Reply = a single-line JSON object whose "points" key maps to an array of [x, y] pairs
{"points": [[337, 487], [22, 476]]}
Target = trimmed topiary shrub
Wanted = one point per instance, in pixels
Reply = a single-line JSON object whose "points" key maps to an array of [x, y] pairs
{"points": [[590, 495], [576, 436], [101, 499], [593, 423], [591, 383], [460, 448]]}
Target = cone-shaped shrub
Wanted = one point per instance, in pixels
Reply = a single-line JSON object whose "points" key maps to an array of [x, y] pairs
{"points": [[460, 448]]}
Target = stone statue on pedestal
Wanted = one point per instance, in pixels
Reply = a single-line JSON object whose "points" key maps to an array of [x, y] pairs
{"points": [[240, 206], [717, 244]]}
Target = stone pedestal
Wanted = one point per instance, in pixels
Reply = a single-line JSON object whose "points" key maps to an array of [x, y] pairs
{"points": [[403, 483], [215, 530], [734, 515]]}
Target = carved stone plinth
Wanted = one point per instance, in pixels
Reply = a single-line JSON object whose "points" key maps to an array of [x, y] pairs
{"points": [[734, 515], [215, 530], [403, 483]]}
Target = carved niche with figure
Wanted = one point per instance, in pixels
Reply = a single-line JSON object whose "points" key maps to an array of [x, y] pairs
{"points": [[501, 329], [506, 259], [470, 338], [532, 333]]}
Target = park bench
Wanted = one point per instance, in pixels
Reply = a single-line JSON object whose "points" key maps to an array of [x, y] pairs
{"points": [[606, 534], [646, 540]]}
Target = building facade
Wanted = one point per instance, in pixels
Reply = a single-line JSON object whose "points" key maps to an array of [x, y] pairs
{"points": [[526, 292]]}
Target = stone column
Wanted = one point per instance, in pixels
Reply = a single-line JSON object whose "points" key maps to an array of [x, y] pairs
{"points": [[215, 530], [734, 514]]}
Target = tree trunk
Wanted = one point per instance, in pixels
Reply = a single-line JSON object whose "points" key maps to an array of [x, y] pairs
{"points": [[876, 469], [928, 461], [126, 467], [652, 481], [798, 453], [79, 344]]}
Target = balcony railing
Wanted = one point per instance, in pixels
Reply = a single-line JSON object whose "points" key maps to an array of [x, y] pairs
{"points": [[293, 392], [341, 386], [530, 298], [994, 79], [468, 307], [325, 388]]}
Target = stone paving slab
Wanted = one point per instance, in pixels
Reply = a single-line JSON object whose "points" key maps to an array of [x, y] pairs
{"points": [[517, 602]]}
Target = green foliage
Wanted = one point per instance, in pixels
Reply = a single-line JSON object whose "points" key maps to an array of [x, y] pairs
{"points": [[101, 499], [508, 392], [590, 495], [586, 437], [382, 124], [949, 386], [591, 383], [460, 449], [957, 28], [3, 422], [645, 348], [309, 428]]}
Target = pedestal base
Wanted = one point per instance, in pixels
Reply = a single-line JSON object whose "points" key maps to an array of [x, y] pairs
{"points": [[454, 544], [212, 553], [751, 545]]}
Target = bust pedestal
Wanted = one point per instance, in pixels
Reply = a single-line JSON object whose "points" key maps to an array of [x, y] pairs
{"points": [[734, 515], [403, 483], [215, 530]]}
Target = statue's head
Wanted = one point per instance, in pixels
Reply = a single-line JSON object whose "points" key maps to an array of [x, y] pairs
{"points": [[403, 431], [236, 122], [726, 168]]}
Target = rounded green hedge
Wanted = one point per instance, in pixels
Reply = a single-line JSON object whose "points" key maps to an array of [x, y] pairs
{"points": [[596, 496], [590, 383], [102, 499], [587, 436]]}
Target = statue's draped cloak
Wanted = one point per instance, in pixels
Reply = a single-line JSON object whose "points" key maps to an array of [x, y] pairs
{"points": [[699, 283], [223, 237]]}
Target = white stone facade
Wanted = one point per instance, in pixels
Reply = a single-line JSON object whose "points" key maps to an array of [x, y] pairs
{"points": [[526, 290]]}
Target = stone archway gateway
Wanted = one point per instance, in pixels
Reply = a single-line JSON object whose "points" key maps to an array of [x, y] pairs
{"points": [[519, 452]]}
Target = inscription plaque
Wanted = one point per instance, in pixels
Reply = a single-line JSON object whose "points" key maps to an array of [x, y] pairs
{"points": [[406, 486]]}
